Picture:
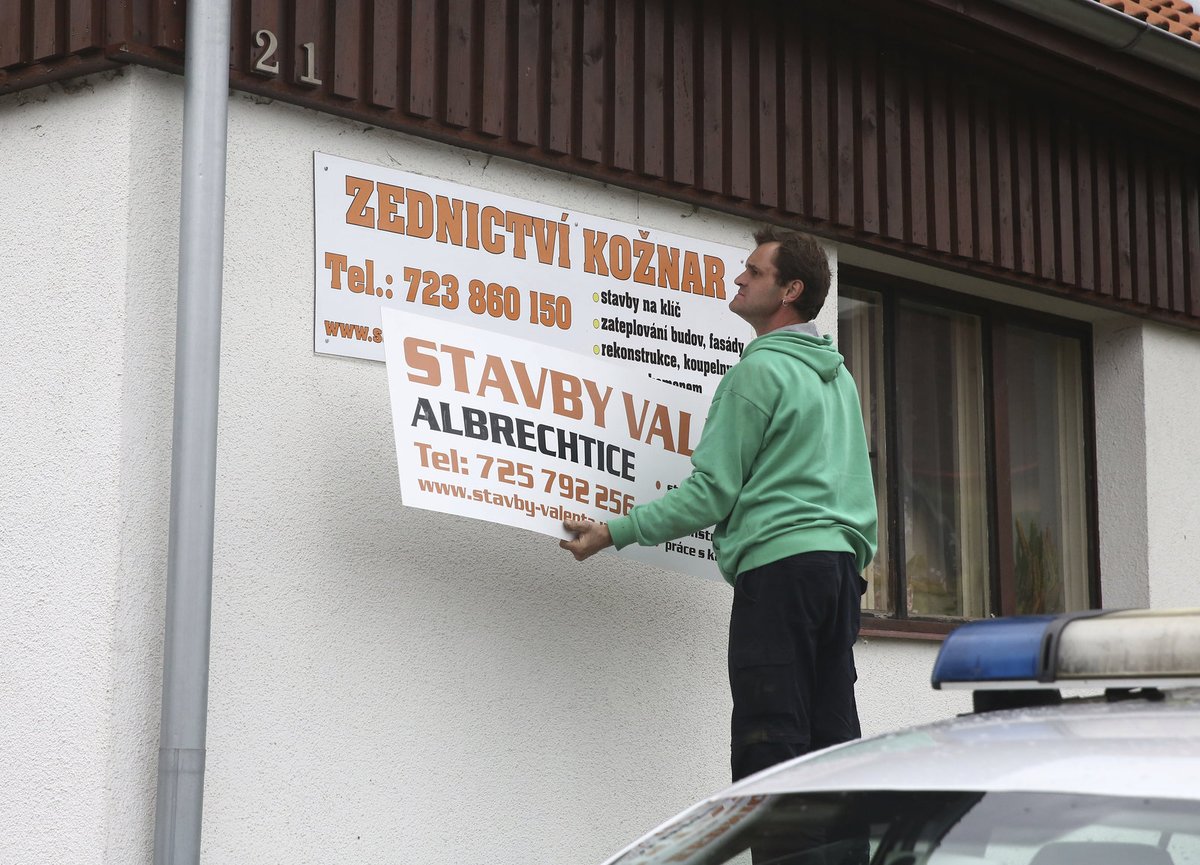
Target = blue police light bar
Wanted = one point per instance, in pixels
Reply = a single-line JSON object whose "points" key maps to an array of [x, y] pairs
{"points": [[1096, 648], [992, 650]]}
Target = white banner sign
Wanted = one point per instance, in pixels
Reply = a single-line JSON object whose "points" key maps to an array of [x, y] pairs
{"points": [[544, 300], [653, 300], [513, 432]]}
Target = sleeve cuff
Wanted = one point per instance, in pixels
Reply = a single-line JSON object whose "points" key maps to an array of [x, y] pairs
{"points": [[622, 532]]}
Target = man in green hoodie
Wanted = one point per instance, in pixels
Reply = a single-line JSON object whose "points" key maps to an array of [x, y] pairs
{"points": [[782, 471]]}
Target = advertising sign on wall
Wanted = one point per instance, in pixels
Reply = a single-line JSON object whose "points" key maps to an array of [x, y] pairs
{"points": [[513, 432], [641, 313]]}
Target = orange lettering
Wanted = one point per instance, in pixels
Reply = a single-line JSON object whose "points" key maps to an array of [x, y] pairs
{"points": [[359, 213], [420, 214], [335, 263], [593, 252], [450, 220], [692, 282], [521, 228], [495, 376], [714, 284], [567, 393], [495, 216], [533, 398], [459, 359], [668, 267], [389, 197], [428, 364], [619, 258], [644, 271]]}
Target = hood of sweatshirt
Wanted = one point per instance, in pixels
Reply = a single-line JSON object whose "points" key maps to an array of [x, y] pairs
{"points": [[816, 351]]}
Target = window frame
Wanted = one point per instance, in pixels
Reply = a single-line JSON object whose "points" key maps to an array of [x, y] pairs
{"points": [[995, 317]]}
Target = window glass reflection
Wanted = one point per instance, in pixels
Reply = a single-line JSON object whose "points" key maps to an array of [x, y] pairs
{"points": [[942, 472], [1047, 481], [860, 340]]}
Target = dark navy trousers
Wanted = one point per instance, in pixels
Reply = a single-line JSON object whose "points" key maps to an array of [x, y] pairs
{"points": [[791, 659]]}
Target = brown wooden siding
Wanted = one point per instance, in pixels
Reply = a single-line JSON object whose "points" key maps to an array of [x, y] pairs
{"points": [[777, 111]]}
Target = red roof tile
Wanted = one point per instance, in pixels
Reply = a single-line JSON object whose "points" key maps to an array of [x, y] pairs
{"points": [[1174, 16]]}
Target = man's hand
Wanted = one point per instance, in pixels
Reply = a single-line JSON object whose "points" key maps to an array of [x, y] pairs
{"points": [[591, 537]]}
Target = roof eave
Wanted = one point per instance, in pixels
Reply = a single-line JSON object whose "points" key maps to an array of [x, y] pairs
{"points": [[1117, 31]]}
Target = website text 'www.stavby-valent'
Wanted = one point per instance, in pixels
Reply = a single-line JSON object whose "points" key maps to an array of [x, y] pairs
{"points": [[514, 501]]}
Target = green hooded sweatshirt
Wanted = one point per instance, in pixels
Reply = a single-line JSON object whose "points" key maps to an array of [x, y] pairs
{"points": [[781, 467]]}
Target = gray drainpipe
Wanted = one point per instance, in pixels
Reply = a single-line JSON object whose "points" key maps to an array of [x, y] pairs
{"points": [[1117, 31], [184, 717]]}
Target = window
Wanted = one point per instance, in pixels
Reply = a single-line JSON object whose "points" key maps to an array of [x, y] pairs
{"points": [[977, 418]]}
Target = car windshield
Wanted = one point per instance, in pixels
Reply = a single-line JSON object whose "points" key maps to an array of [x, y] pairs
{"points": [[928, 828]]}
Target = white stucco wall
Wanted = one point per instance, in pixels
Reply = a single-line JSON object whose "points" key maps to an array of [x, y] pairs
{"points": [[1121, 479], [1172, 369], [387, 684], [62, 281], [1146, 419]]}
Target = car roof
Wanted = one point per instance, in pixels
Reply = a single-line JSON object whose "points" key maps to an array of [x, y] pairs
{"points": [[1134, 747]]}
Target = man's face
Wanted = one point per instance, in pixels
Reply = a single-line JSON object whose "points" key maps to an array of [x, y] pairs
{"points": [[760, 296]]}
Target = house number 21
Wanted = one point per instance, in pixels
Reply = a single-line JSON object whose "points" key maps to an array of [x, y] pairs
{"points": [[268, 65]]}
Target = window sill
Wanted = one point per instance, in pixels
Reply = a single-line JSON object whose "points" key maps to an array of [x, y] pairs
{"points": [[907, 629]]}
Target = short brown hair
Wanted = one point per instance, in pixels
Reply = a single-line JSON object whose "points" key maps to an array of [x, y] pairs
{"points": [[799, 256]]}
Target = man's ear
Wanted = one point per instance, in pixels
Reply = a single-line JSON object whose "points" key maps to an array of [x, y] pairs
{"points": [[795, 288]]}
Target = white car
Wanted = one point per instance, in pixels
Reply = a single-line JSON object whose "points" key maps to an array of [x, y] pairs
{"points": [[1107, 780]]}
